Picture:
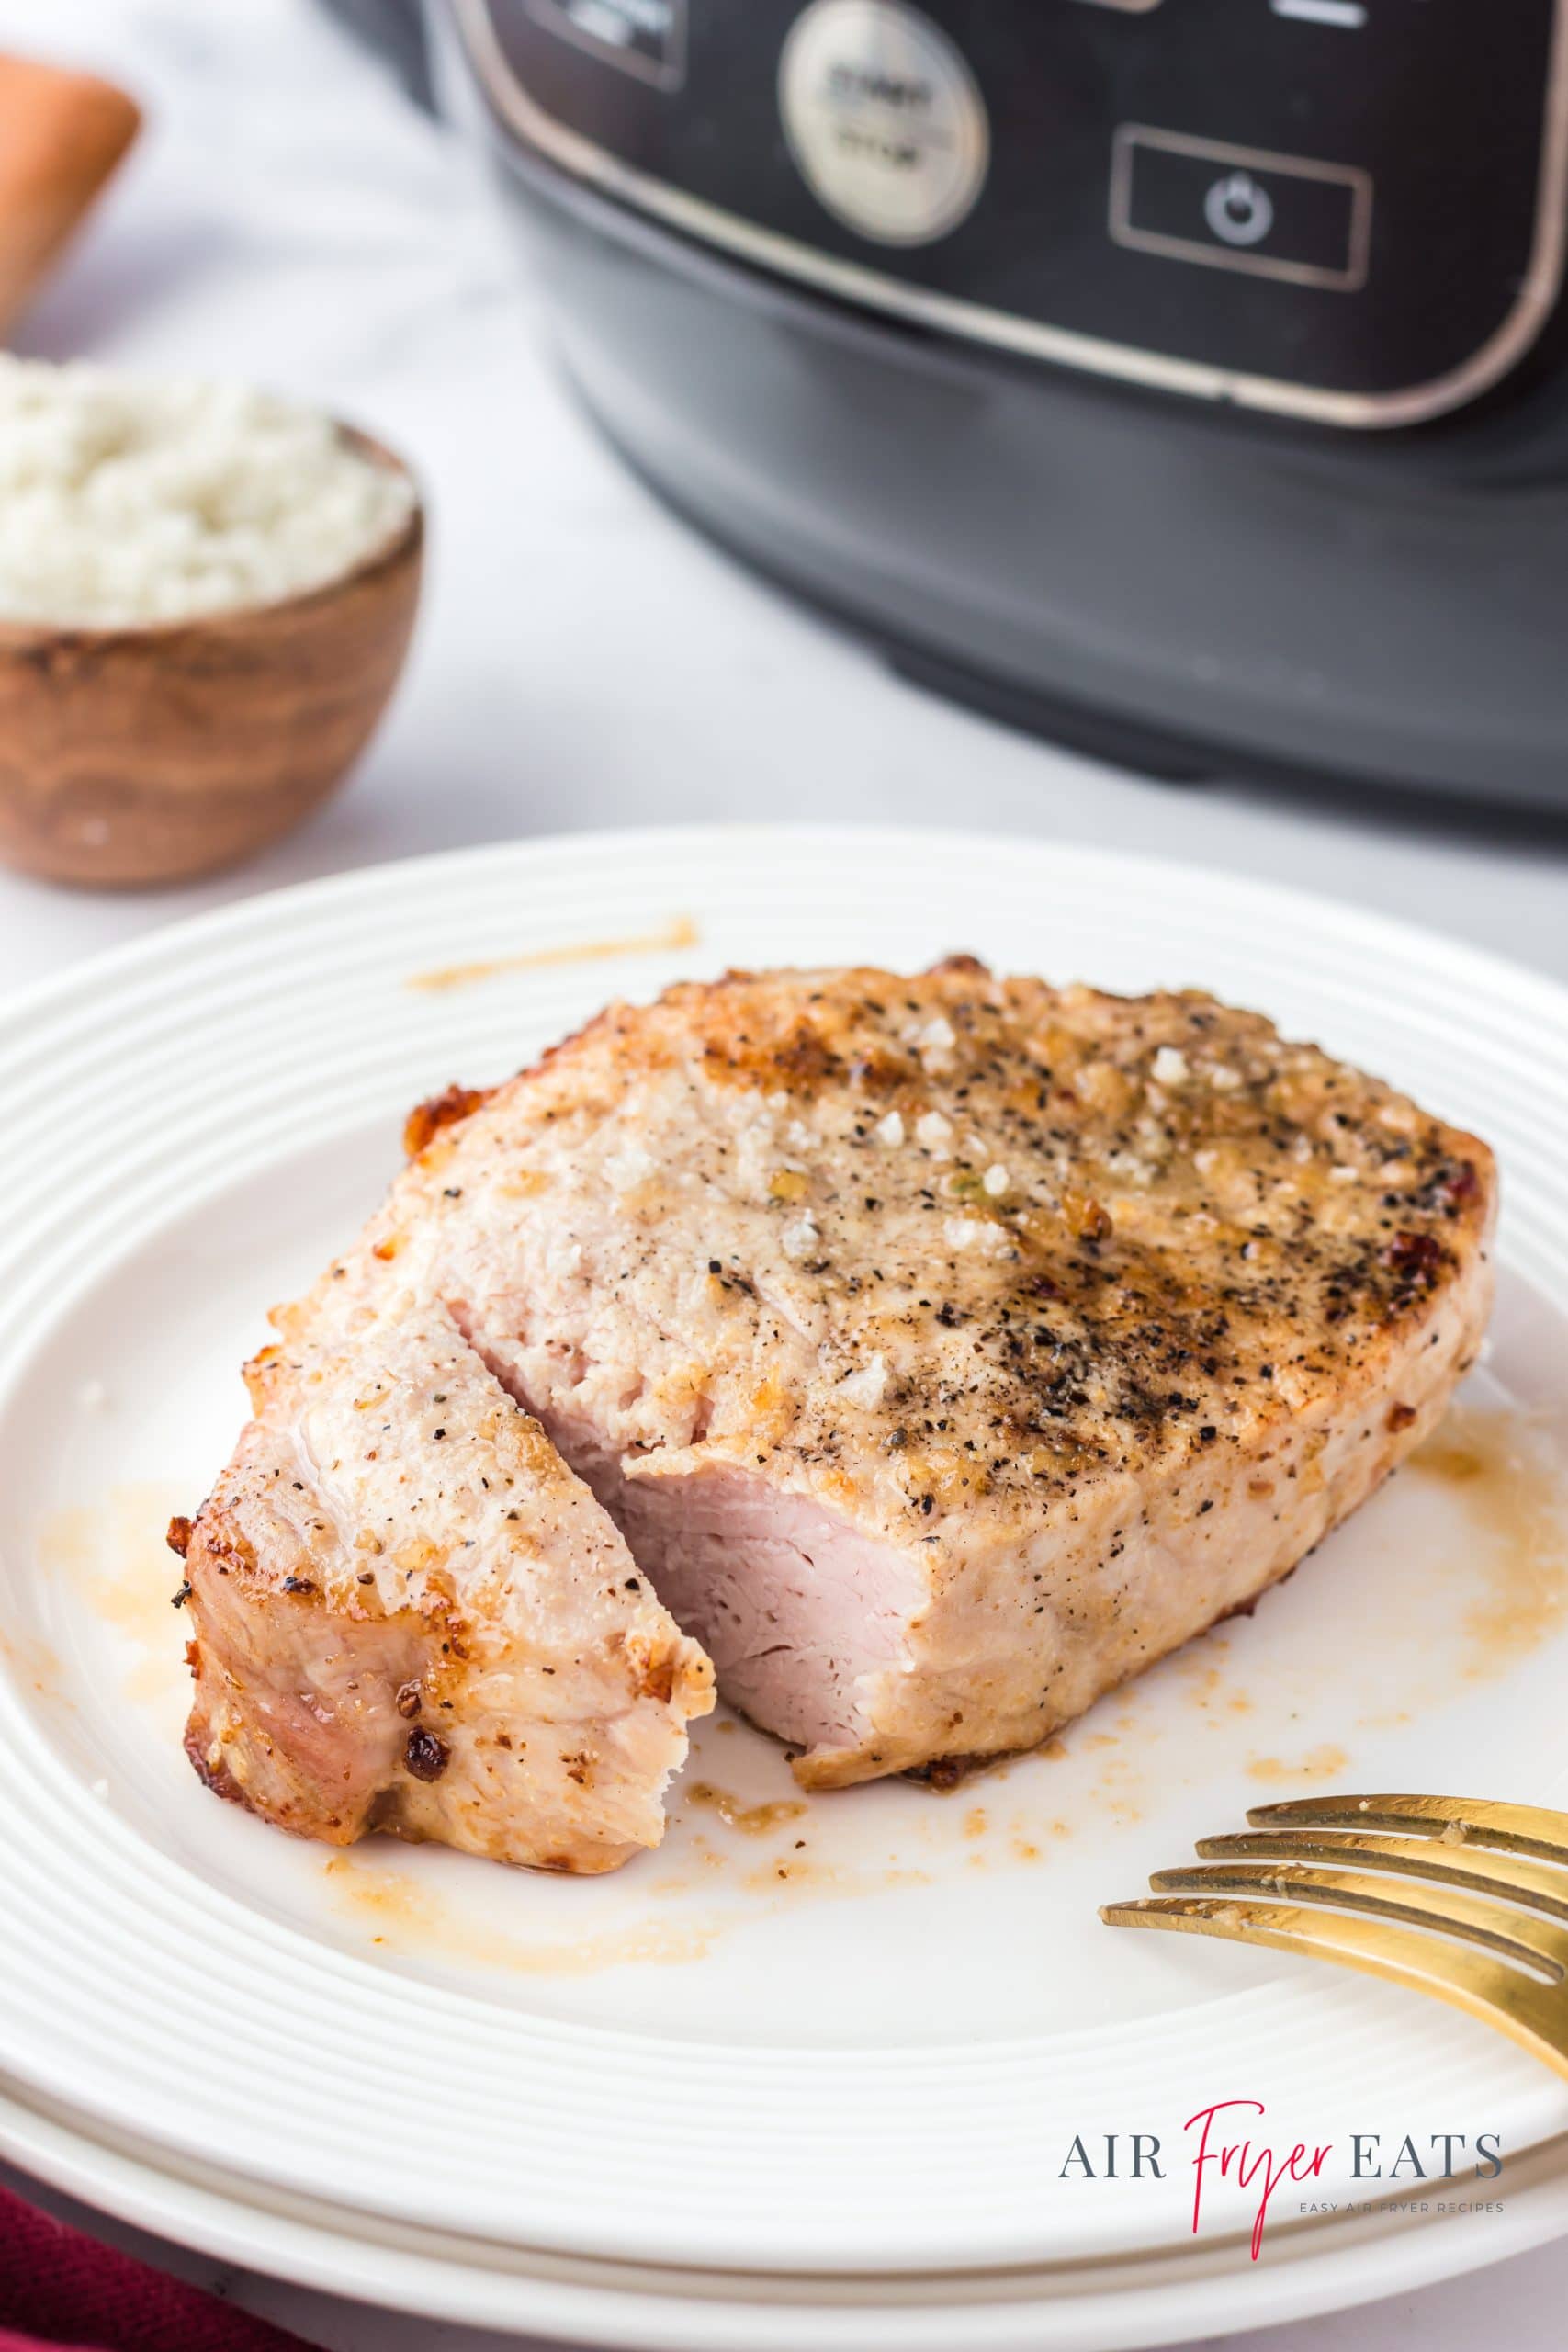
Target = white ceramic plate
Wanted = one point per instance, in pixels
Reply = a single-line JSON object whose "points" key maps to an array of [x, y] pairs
{"points": [[1110, 2306], [880, 2060]]}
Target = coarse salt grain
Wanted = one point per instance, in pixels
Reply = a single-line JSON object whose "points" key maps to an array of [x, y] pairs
{"points": [[1169, 1066], [980, 1233], [799, 1240], [866, 1387], [890, 1130], [125, 502], [627, 1168], [933, 1130], [995, 1180]]}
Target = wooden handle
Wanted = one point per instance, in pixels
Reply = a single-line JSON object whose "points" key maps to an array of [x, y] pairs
{"points": [[62, 135]]}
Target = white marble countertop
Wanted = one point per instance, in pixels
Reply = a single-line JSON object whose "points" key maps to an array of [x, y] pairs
{"points": [[583, 661]]}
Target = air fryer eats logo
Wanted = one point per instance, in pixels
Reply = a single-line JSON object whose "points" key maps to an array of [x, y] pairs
{"points": [[1232, 2141], [646, 38]]}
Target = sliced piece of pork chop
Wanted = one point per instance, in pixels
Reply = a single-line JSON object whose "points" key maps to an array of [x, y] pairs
{"points": [[947, 1350], [410, 1616]]}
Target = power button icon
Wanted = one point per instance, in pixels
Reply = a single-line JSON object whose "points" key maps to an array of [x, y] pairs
{"points": [[1289, 217], [1239, 210]]}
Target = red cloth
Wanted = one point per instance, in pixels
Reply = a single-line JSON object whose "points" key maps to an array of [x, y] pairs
{"points": [[59, 2289]]}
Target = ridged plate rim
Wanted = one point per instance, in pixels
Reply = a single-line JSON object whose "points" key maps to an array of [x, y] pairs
{"points": [[103, 1053]]}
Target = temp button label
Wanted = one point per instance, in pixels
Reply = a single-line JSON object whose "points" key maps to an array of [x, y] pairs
{"points": [[646, 38], [1241, 207], [884, 118]]}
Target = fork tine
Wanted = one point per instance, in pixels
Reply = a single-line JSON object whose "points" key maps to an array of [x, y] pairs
{"points": [[1469, 1979], [1516, 1829], [1528, 1942], [1480, 1871]]}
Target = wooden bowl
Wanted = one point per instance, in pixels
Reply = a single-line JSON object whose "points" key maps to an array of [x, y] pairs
{"points": [[135, 756]]}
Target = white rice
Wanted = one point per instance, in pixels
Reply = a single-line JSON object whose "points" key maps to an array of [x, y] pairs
{"points": [[125, 501]]}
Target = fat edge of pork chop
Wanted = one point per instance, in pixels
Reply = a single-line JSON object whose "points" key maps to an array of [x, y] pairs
{"points": [[951, 1348], [409, 1616]]}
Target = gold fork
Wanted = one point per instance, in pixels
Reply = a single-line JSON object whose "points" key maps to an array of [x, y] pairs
{"points": [[1322, 1876]]}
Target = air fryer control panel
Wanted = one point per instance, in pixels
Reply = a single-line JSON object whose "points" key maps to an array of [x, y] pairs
{"points": [[1350, 210]]}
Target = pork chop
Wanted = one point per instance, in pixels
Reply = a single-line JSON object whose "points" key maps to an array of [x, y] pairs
{"points": [[410, 1616], [945, 1348]]}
